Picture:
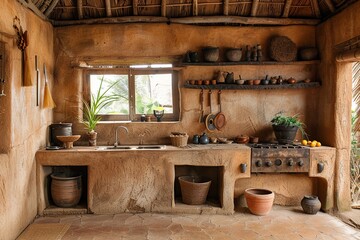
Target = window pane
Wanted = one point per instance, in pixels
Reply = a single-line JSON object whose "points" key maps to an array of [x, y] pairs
{"points": [[153, 90], [121, 89]]}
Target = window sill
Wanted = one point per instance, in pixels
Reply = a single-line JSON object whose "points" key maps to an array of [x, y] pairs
{"points": [[137, 122]]}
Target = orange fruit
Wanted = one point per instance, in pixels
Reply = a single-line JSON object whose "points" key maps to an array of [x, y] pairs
{"points": [[313, 144], [304, 142], [318, 144]]}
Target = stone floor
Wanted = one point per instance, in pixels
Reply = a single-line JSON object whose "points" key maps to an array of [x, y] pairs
{"points": [[281, 223]]}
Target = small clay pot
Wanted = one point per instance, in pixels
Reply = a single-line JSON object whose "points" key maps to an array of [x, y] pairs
{"points": [[192, 82], [249, 82], [234, 54], [213, 82], [257, 81], [211, 54], [199, 82], [259, 201], [206, 82], [291, 80], [264, 82], [239, 81], [310, 204]]}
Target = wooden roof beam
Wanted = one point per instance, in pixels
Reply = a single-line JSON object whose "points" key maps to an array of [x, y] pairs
{"points": [[287, 8], [108, 8], [195, 8], [330, 5], [254, 8], [226, 7], [44, 6], [30, 5], [51, 7], [316, 8], [163, 8], [80, 9], [135, 7]]}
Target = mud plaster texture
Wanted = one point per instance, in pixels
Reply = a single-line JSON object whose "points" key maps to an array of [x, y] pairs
{"points": [[23, 124]]}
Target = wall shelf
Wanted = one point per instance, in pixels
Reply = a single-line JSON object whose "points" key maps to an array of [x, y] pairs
{"points": [[250, 63], [255, 87]]}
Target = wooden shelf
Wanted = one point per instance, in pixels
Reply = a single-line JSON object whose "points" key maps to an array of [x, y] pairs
{"points": [[254, 87], [250, 63]]}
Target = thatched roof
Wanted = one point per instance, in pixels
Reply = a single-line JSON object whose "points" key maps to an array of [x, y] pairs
{"points": [[241, 12]]}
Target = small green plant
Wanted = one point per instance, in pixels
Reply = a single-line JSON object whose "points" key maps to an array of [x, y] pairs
{"points": [[99, 101], [280, 119]]}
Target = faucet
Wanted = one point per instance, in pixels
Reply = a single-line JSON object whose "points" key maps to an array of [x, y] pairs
{"points": [[116, 135]]}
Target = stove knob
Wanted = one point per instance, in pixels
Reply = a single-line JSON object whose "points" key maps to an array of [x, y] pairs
{"points": [[258, 163], [290, 163], [268, 163], [301, 163], [278, 162]]}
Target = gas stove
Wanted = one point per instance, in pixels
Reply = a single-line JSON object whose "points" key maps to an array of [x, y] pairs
{"points": [[287, 158]]}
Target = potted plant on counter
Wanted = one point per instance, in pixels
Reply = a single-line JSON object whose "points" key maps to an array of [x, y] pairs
{"points": [[286, 127], [92, 110]]}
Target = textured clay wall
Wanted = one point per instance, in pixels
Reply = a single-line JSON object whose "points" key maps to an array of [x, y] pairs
{"points": [[23, 124], [248, 112], [335, 106]]}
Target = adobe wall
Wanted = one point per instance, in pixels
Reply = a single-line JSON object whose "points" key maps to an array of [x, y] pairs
{"points": [[23, 124]]}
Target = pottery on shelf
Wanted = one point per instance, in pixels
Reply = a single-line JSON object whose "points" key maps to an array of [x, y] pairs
{"points": [[68, 140], [66, 189], [234, 54], [211, 54], [259, 201], [310, 204]]}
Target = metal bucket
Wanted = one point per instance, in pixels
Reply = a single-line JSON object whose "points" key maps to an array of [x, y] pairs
{"points": [[59, 129]]}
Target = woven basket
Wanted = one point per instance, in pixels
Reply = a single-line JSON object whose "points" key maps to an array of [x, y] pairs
{"points": [[194, 190], [282, 49], [179, 140]]}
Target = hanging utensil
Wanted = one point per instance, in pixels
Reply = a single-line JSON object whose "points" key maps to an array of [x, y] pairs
{"points": [[37, 81], [48, 100], [201, 106], [209, 123], [220, 119]]}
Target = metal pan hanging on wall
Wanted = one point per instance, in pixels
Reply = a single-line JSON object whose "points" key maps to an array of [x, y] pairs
{"points": [[220, 119], [209, 122]]}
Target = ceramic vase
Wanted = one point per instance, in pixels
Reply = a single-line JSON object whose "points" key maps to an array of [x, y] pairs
{"points": [[259, 201], [310, 204], [92, 138], [66, 189]]}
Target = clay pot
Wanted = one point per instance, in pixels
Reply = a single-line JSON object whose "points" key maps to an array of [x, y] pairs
{"points": [[310, 204], [66, 189], [259, 201], [92, 138], [257, 81], [234, 54], [285, 134], [310, 53], [211, 54]]}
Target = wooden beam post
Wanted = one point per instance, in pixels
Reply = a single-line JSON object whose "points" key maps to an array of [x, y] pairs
{"points": [[51, 7], [254, 7], [108, 8], [287, 8], [44, 6], [30, 5], [315, 7], [135, 7], [80, 9], [195, 8], [330, 5], [226, 7], [163, 8]]}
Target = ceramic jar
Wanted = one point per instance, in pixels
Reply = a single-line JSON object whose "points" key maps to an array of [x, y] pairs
{"points": [[211, 54], [234, 54], [66, 189], [310, 204], [259, 201], [204, 139]]}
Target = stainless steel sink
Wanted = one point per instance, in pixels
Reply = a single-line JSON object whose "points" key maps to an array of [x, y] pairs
{"points": [[133, 147]]}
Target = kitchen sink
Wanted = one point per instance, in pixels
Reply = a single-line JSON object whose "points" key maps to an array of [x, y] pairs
{"points": [[133, 147]]}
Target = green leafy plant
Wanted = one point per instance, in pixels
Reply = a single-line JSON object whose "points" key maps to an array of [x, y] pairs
{"points": [[99, 101], [280, 119]]}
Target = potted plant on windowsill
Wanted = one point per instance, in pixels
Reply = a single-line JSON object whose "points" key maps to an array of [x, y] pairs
{"points": [[286, 127], [92, 110]]}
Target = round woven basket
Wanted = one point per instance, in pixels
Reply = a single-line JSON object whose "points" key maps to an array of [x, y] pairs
{"points": [[179, 140], [282, 49], [194, 190]]}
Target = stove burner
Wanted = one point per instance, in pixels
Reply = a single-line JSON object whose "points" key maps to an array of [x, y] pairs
{"points": [[275, 146]]}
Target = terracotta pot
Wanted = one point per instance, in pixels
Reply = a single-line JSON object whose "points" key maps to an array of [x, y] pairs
{"points": [[259, 201], [310, 204], [66, 189], [92, 138]]}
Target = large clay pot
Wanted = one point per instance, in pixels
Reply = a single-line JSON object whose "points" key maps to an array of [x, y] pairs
{"points": [[284, 134], [211, 54], [310, 204], [66, 189], [234, 54], [259, 201]]}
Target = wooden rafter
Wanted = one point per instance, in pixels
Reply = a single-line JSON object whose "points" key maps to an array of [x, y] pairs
{"points": [[193, 20], [33, 8], [45, 5], [287, 8], [80, 9], [254, 7], [135, 7], [226, 7], [195, 8], [315, 7], [51, 7], [108, 8], [330, 5], [163, 8]]}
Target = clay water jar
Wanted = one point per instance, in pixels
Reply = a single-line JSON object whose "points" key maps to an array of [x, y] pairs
{"points": [[66, 189], [259, 201]]}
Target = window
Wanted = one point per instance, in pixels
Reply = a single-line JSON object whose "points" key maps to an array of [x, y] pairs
{"points": [[140, 89]]}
